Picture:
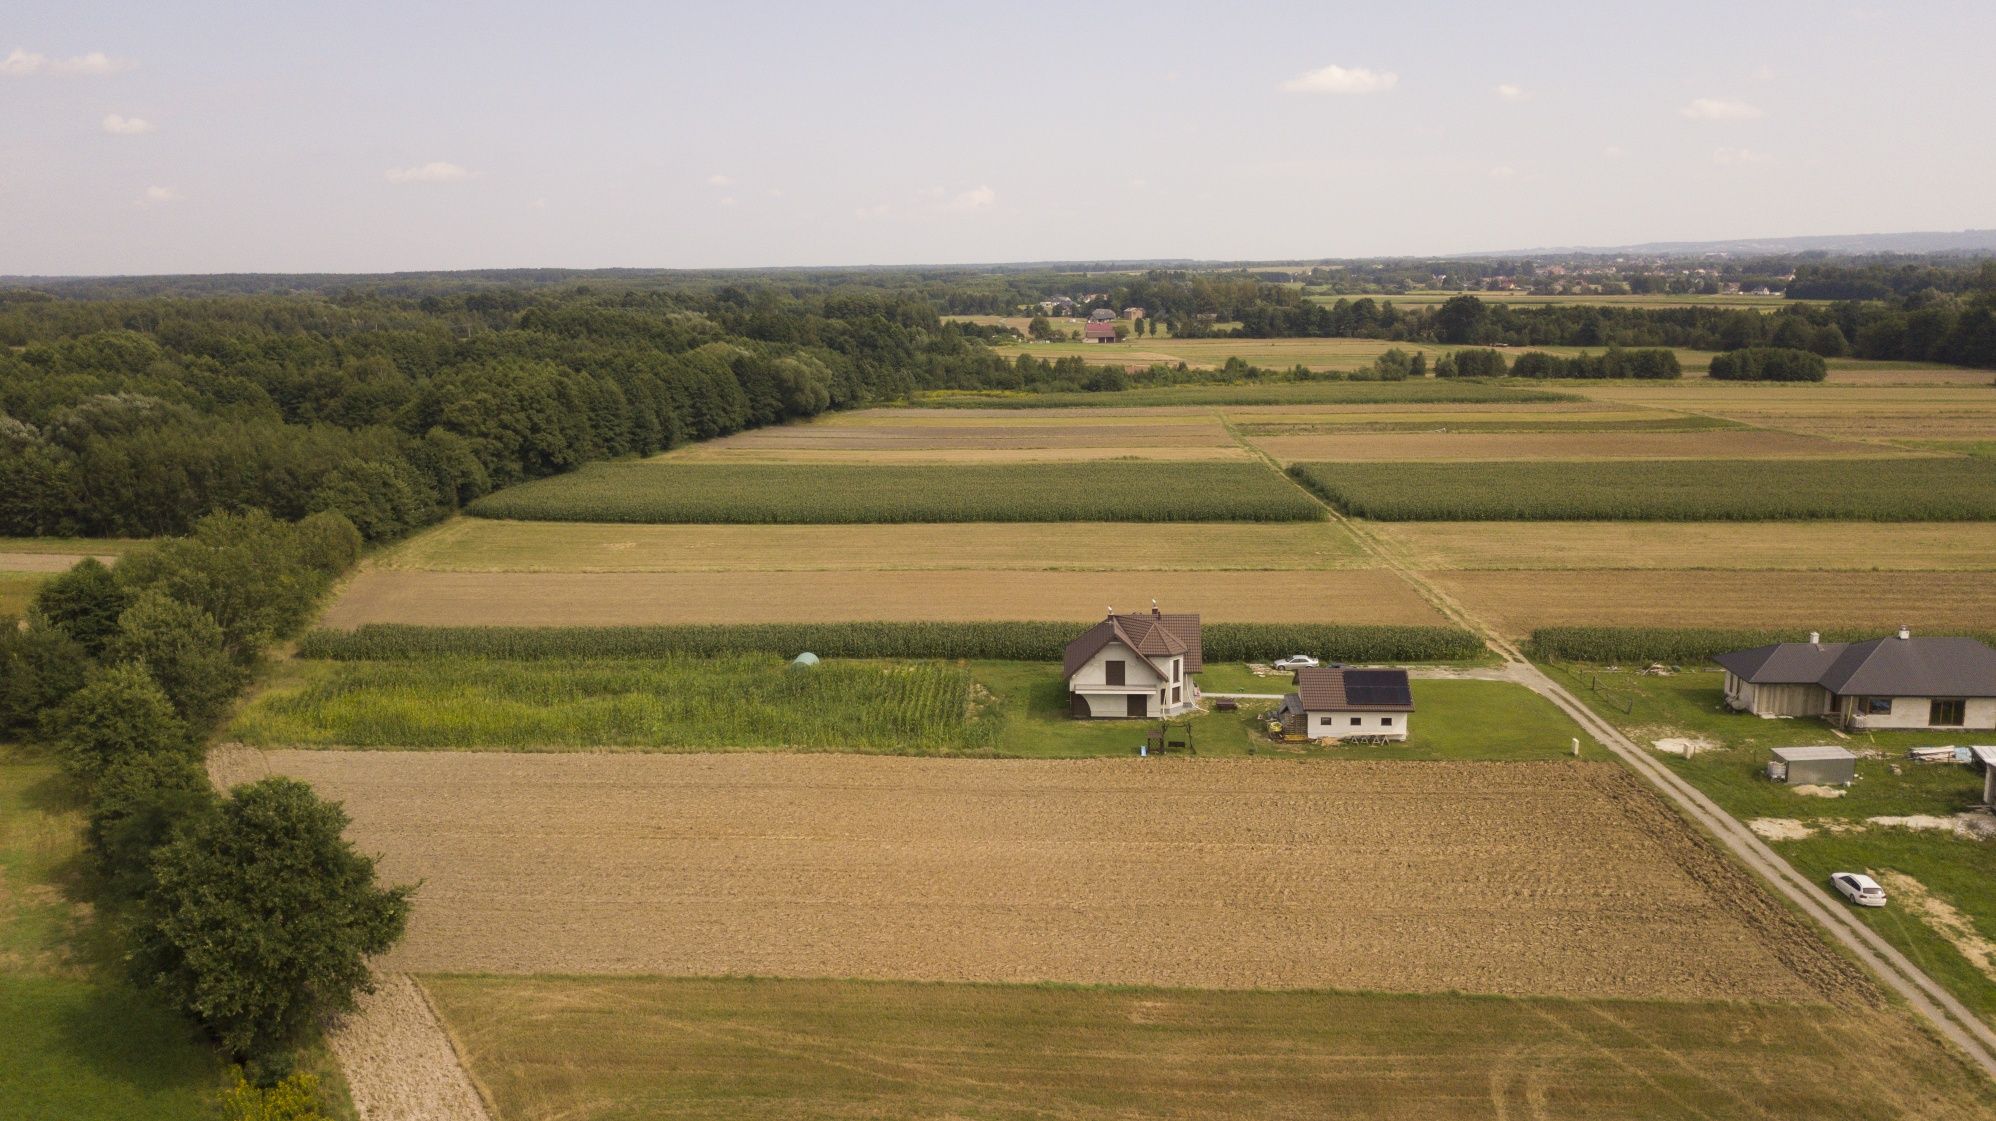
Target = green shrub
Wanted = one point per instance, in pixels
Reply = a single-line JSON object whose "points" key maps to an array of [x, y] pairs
{"points": [[1004, 641], [85, 602], [40, 667], [261, 919], [137, 804], [1116, 491], [121, 714], [295, 1098], [182, 647], [1769, 363], [1648, 365], [257, 577], [1661, 490], [1679, 645], [328, 543]]}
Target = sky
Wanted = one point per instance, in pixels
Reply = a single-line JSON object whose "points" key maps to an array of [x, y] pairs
{"points": [[367, 137]]}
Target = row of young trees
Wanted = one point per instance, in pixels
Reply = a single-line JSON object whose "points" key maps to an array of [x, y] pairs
{"points": [[1768, 363], [247, 911]]}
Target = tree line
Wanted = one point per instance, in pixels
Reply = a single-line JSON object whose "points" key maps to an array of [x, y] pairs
{"points": [[244, 910]]}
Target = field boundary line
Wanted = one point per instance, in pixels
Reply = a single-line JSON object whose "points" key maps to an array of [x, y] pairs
{"points": [[1923, 994]]}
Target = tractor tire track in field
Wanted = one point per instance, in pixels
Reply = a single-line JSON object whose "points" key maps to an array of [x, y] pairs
{"points": [[1940, 1008]]}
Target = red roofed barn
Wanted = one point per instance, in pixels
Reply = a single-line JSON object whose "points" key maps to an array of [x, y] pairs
{"points": [[1096, 332]]}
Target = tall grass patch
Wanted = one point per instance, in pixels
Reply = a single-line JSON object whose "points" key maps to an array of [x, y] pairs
{"points": [[1903, 490], [739, 701], [1110, 491]]}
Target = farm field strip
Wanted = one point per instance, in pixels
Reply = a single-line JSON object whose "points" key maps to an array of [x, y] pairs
{"points": [[614, 598], [1152, 453], [1412, 877], [1553, 445], [1514, 602], [494, 545], [1770, 546], [751, 493], [880, 437], [1883, 490], [45, 562], [592, 1049]]}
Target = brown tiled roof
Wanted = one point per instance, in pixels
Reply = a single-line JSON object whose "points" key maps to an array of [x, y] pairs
{"points": [[1148, 635], [1336, 689], [1099, 330]]}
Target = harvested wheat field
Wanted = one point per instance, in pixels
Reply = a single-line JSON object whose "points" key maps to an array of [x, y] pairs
{"points": [[494, 545], [1516, 878], [645, 1048], [1517, 601], [1361, 595], [1361, 447], [1791, 546]]}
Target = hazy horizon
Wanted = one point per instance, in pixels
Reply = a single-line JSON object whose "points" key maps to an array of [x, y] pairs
{"points": [[215, 137]]}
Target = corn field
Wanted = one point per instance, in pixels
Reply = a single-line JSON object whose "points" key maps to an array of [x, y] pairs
{"points": [[680, 702], [1901, 490], [996, 641], [1678, 646], [1114, 491]]}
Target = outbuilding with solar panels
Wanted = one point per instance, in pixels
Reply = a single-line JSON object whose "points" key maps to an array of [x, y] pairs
{"points": [[1337, 702]]}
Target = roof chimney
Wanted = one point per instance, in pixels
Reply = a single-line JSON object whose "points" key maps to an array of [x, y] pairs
{"points": [[1815, 638], [1905, 631], [1153, 608]]}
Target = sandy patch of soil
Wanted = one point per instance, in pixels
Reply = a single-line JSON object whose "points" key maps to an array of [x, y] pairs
{"points": [[1686, 746], [1943, 917], [1780, 829], [1811, 790], [1412, 877], [1974, 824], [398, 1061]]}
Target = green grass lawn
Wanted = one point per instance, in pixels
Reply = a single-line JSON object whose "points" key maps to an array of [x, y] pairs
{"points": [[77, 1043], [1960, 873], [996, 708]]}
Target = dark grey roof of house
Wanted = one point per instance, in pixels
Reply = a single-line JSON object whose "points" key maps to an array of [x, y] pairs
{"points": [[1882, 667]]}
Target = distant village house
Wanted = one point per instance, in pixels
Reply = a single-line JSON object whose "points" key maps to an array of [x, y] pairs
{"points": [[1096, 331], [1134, 666], [1897, 682]]}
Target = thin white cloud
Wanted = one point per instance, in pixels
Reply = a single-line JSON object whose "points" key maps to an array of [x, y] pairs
{"points": [[730, 201], [1338, 79], [118, 125], [977, 198], [1720, 109], [1739, 156], [21, 62], [1613, 151], [877, 210], [773, 192], [436, 171], [1509, 92], [719, 180], [159, 196], [1503, 171]]}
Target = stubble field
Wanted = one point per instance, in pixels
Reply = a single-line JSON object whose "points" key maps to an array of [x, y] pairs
{"points": [[1407, 877]]}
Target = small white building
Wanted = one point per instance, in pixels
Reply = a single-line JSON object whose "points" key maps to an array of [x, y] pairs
{"points": [[1332, 702], [1886, 683], [1134, 666]]}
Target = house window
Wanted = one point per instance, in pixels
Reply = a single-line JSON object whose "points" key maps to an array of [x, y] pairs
{"points": [[1386, 721], [1357, 720], [1112, 672], [1878, 706], [1948, 714], [1177, 666], [1176, 693]]}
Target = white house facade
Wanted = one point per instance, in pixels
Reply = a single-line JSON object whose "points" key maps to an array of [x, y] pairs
{"points": [[1887, 683], [1333, 702]]}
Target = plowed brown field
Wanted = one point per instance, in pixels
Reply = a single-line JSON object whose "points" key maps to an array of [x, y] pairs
{"points": [[1549, 879], [611, 598]]}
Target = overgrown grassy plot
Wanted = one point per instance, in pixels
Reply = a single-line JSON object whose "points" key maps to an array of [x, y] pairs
{"points": [[76, 1042], [1117, 491], [672, 702], [1704, 490], [619, 1049]]}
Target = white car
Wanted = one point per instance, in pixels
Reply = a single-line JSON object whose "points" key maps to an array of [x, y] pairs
{"points": [[1295, 661], [1858, 888]]}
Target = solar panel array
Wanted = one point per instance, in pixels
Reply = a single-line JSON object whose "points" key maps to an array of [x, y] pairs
{"points": [[1366, 687]]}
